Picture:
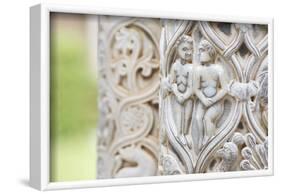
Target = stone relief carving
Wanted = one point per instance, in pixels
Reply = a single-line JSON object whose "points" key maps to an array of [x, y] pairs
{"points": [[207, 113], [128, 129], [213, 97]]}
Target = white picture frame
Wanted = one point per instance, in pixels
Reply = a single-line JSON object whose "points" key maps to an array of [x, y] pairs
{"points": [[40, 94]]}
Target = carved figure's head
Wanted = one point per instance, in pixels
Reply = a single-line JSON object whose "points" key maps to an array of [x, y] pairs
{"points": [[207, 52], [229, 152], [253, 88], [185, 48]]}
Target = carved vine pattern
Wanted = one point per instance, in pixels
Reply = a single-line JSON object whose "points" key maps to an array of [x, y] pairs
{"points": [[129, 79]]}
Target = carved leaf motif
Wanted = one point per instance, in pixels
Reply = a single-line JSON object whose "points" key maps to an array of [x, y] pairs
{"points": [[147, 68], [255, 156]]}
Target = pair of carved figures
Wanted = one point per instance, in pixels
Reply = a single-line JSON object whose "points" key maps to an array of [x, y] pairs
{"points": [[205, 83], [211, 111]]}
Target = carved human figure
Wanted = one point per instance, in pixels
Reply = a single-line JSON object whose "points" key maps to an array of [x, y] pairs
{"points": [[180, 79], [210, 86]]}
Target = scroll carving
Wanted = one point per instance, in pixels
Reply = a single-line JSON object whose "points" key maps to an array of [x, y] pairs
{"points": [[129, 84], [213, 97]]}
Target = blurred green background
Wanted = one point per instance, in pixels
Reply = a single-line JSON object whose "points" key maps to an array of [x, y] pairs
{"points": [[74, 94]]}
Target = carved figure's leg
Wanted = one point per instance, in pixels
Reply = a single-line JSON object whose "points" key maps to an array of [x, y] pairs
{"points": [[199, 124], [177, 113], [188, 107], [210, 118]]}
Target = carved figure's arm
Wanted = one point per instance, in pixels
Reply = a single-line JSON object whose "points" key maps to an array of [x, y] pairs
{"points": [[166, 86], [197, 88], [223, 82], [189, 89], [174, 86], [167, 82]]}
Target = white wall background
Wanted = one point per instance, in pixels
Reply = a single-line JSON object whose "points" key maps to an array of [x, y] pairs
{"points": [[14, 94]]}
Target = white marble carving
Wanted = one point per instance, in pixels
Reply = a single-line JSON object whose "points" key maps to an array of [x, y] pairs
{"points": [[213, 97], [128, 130]]}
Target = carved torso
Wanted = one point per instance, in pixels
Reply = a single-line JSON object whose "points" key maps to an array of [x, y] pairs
{"points": [[209, 80], [181, 73]]}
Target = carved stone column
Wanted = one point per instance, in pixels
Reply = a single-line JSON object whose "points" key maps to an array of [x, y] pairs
{"points": [[213, 97], [128, 51]]}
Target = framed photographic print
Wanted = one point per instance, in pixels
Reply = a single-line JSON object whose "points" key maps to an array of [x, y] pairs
{"points": [[124, 97]]}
